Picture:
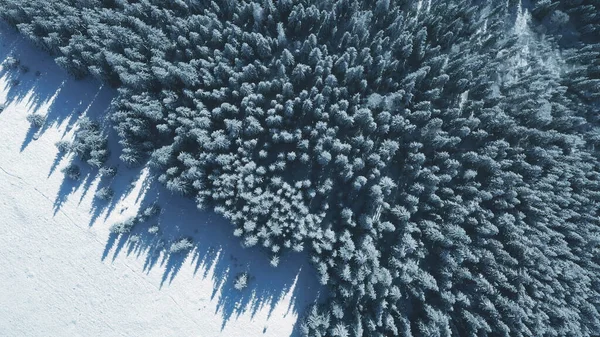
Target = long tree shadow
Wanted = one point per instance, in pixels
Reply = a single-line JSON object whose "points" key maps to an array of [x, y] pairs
{"points": [[44, 88], [215, 253]]}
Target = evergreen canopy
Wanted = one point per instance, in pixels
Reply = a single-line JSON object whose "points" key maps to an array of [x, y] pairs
{"points": [[437, 159]]}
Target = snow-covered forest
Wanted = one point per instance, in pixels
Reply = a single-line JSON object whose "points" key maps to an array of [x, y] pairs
{"points": [[435, 159], [66, 273]]}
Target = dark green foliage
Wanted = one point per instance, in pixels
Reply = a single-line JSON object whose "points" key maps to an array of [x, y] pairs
{"points": [[36, 120], [124, 227], [72, 171], [104, 193], [89, 143], [181, 245], [63, 146], [107, 171], [439, 162], [149, 212]]}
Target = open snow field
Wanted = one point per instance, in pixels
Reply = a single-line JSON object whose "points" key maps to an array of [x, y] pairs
{"points": [[62, 273]]}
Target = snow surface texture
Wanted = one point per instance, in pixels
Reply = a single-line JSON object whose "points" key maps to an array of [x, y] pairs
{"points": [[65, 274]]}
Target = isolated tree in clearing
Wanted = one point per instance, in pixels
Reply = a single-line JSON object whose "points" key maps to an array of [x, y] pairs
{"points": [[36, 120], [241, 281], [181, 246]]}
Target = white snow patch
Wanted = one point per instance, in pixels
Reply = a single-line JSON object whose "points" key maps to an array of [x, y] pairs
{"points": [[533, 48], [463, 99]]}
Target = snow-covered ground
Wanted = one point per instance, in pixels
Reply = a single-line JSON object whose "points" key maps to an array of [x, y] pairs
{"points": [[62, 273]]}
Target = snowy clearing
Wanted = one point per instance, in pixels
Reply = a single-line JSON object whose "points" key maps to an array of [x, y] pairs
{"points": [[65, 274]]}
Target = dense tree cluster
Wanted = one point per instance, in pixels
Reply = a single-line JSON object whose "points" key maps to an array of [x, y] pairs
{"points": [[438, 159], [90, 144]]}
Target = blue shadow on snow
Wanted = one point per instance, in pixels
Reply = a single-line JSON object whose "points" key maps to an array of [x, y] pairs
{"points": [[216, 253]]}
